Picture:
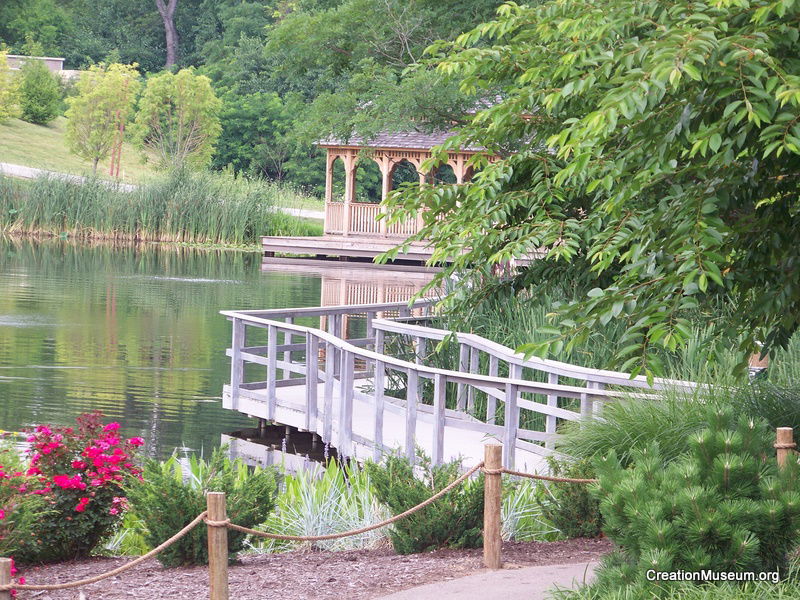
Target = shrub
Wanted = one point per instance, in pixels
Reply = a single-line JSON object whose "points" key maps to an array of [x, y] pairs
{"points": [[571, 508], [723, 506], [454, 520], [9, 90], [40, 93], [167, 500], [630, 424], [340, 500], [67, 497]]}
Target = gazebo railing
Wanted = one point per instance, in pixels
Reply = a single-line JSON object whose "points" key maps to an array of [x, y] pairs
{"points": [[361, 218]]}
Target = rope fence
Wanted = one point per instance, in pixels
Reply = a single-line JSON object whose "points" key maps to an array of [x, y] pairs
{"points": [[217, 521]]}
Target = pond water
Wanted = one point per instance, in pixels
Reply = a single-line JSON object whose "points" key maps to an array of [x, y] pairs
{"points": [[132, 331]]}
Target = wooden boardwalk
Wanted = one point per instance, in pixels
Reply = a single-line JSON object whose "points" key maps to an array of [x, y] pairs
{"points": [[366, 398]]}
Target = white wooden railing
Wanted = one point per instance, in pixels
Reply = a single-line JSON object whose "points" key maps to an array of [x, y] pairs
{"points": [[325, 363], [363, 220]]}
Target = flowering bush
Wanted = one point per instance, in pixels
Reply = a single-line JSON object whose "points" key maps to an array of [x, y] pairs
{"points": [[77, 472]]}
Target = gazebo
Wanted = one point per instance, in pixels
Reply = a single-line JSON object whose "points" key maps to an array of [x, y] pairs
{"points": [[388, 150]]}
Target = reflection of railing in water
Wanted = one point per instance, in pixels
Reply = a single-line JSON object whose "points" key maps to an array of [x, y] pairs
{"points": [[288, 447], [324, 397]]}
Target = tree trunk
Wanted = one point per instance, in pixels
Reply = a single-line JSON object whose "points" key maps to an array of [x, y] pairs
{"points": [[167, 12], [94, 165]]}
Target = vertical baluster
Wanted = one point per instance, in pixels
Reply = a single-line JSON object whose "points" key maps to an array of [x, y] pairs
{"points": [[511, 425], [312, 380], [412, 390], [287, 355], [474, 357], [552, 400], [272, 374], [491, 401], [380, 385], [586, 403], [370, 330], [237, 365], [327, 426], [598, 404], [439, 396], [463, 365], [419, 358], [346, 405]]}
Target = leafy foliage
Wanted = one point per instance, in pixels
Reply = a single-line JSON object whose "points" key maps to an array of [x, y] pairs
{"points": [[178, 119], [166, 500], [723, 506], [39, 93], [97, 114], [9, 90], [454, 521], [571, 508], [657, 154]]}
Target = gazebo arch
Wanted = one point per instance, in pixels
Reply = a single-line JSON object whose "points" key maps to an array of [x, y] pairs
{"points": [[387, 150]]}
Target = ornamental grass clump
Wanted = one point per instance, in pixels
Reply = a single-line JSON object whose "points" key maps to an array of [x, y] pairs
{"points": [[170, 495], [723, 506], [454, 520], [68, 496]]}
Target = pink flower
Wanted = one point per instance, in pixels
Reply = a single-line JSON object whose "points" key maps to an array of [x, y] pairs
{"points": [[79, 464], [113, 511], [136, 441], [111, 427], [82, 504], [2, 514]]}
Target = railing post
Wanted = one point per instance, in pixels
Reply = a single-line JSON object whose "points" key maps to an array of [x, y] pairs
{"points": [[511, 417], [237, 367], [312, 380], [463, 365], [5, 577], [412, 397], [288, 338], [217, 547], [439, 398], [327, 402], [346, 405], [491, 401], [492, 501], [272, 370], [784, 444], [380, 384], [552, 400]]}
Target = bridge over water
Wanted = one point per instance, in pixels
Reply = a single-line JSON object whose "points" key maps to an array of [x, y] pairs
{"points": [[376, 378]]}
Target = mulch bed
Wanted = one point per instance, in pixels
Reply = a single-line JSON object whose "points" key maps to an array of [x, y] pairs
{"points": [[299, 575]]}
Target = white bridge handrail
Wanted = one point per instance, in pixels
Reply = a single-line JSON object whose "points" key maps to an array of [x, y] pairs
{"points": [[348, 360]]}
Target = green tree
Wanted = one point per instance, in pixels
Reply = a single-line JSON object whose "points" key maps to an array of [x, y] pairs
{"points": [[178, 119], [97, 114], [652, 147], [39, 93], [9, 99]]}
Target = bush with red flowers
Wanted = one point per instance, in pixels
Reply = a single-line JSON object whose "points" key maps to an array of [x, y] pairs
{"points": [[77, 473]]}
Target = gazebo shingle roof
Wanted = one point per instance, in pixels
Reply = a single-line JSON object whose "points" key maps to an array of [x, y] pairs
{"points": [[412, 140]]}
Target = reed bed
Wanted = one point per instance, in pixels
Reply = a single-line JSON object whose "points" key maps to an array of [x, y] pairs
{"points": [[190, 207]]}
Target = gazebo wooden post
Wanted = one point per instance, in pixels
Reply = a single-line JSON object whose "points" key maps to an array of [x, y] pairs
{"points": [[350, 166], [387, 168]]}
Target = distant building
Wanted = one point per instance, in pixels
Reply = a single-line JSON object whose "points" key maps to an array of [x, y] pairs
{"points": [[56, 65]]}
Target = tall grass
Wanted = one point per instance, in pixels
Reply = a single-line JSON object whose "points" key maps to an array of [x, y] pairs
{"points": [[205, 207], [520, 319], [333, 500]]}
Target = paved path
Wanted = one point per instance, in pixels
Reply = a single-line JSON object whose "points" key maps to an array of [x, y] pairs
{"points": [[32, 173], [526, 583]]}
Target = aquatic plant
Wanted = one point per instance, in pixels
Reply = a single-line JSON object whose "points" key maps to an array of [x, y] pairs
{"points": [[183, 206]]}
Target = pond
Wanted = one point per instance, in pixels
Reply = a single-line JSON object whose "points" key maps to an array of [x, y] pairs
{"points": [[132, 331]]}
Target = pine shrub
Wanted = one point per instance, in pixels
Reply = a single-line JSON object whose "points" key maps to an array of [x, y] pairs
{"points": [[723, 506], [40, 93], [571, 507], [452, 521], [167, 499]]}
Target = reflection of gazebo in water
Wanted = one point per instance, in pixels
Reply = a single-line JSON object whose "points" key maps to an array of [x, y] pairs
{"points": [[388, 151]]}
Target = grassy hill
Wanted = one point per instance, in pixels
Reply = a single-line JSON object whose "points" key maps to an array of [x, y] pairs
{"points": [[44, 147]]}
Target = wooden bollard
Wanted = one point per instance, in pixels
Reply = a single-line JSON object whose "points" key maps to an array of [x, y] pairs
{"points": [[217, 547], [492, 500], [784, 444], [5, 577]]}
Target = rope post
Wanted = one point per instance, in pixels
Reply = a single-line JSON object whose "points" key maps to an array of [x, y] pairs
{"points": [[492, 499], [784, 444], [217, 547], [5, 577]]}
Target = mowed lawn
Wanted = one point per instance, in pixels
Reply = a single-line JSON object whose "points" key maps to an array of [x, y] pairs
{"points": [[44, 147]]}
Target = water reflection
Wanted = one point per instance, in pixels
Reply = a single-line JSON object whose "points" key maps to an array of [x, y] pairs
{"points": [[133, 331]]}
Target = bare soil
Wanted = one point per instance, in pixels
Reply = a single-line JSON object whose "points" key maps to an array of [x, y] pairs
{"points": [[301, 575]]}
